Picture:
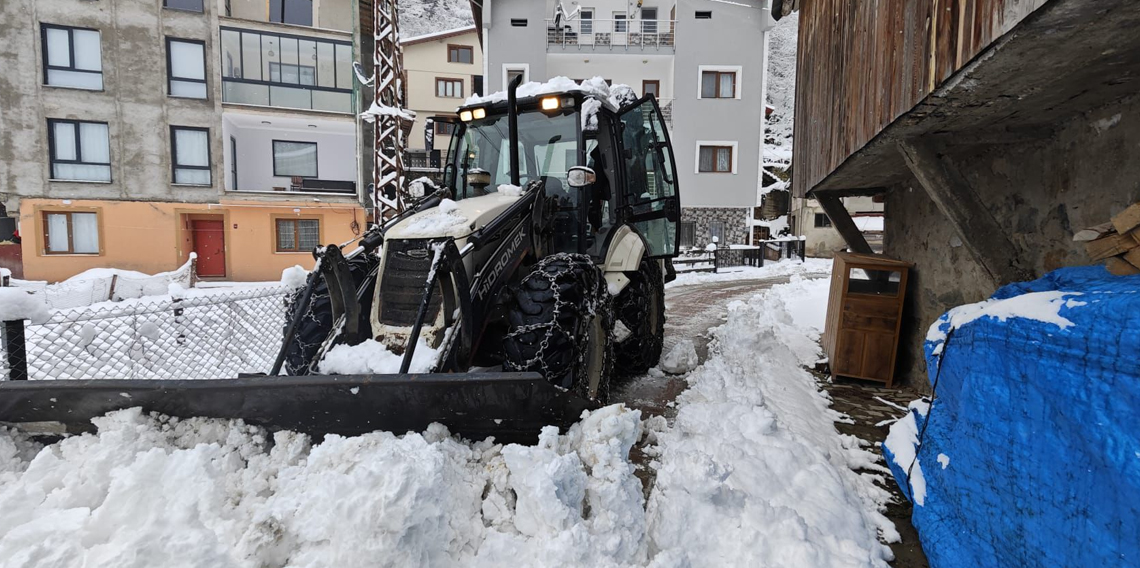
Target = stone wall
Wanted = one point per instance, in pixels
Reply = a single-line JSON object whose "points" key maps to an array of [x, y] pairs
{"points": [[1040, 192], [735, 223]]}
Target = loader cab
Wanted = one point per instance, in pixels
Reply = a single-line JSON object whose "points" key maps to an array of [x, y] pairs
{"points": [[635, 178]]}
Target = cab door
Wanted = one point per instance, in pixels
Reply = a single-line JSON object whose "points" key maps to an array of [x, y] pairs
{"points": [[651, 201]]}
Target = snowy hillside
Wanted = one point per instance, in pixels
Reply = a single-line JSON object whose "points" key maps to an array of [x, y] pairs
{"points": [[781, 88], [419, 17]]}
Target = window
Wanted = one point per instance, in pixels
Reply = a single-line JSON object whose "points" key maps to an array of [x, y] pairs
{"points": [[79, 151], [688, 234], [444, 128], [294, 159], [233, 163], [620, 25], [261, 68], [703, 15], [449, 88], [190, 153], [510, 72], [460, 54], [716, 231], [191, 5], [715, 159], [186, 68], [298, 235], [822, 220], [297, 12], [651, 88], [72, 57], [519, 22], [718, 84], [586, 26], [71, 232], [649, 20]]}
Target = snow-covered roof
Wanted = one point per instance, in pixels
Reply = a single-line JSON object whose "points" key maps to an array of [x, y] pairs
{"points": [[438, 35]]}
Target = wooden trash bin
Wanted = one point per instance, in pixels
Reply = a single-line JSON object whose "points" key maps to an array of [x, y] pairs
{"points": [[864, 311]]}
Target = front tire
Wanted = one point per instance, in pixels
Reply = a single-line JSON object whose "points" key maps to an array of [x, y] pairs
{"points": [[560, 325], [640, 308]]}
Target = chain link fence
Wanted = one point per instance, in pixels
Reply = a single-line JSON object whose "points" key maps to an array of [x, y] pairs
{"points": [[205, 335]]}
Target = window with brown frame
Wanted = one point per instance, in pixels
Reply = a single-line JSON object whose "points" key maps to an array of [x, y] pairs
{"points": [[715, 159], [718, 84], [651, 87], [71, 232], [460, 54], [449, 88], [298, 235]]}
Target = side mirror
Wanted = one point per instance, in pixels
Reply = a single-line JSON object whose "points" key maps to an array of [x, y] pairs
{"points": [[580, 176]]}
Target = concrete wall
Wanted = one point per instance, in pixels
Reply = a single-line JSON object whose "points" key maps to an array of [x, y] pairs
{"points": [[327, 14], [620, 69], [133, 102], [424, 62], [1039, 192], [504, 44], [735, 36]]}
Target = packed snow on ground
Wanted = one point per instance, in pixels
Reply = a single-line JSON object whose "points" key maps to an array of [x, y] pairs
{"points": [[23, 304], [785, 267], [902, 441], [752, 473]]}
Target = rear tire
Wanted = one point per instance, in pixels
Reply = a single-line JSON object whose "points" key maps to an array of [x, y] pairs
{"points": [[560, 325], [317, 322], [640, 307]]}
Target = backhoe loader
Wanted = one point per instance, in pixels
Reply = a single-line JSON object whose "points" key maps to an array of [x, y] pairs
{"points": [[531, 276]]}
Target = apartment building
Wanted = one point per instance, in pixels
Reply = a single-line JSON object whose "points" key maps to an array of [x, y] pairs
{"points": [[704, 60], [138, 131], [441, 70]]}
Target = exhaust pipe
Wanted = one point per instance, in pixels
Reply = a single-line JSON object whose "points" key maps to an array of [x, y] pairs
{"points": [[513, 128]]}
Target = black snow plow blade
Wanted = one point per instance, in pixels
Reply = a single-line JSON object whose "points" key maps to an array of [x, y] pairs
{"points": [[512, 407]]}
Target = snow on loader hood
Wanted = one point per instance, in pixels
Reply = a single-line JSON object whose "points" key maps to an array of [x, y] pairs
{"points": [[454, 218]]}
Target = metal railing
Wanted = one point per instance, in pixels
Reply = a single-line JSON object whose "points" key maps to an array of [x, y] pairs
{"points": [[611, 34], [213, 336]]}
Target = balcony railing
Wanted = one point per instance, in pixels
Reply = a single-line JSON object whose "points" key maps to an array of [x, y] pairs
{"points": [[611, 34]]}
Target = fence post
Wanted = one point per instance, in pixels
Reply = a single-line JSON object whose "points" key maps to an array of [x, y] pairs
{"points": [[13, 337], [763, 252], [803, 258], [716, 260]]}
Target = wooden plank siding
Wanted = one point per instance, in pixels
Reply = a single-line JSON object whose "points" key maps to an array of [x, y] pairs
{"points": [[864, 63]]}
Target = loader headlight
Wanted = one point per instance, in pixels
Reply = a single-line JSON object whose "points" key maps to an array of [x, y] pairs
{"points": [[479, 113], [551, 103], [465, 116]]}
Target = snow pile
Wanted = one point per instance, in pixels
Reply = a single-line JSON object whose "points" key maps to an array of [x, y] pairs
{"points": [[380, 109], [902, 445], [681, 359], [150, 491], [753, 472], [444, 220], [616, 96], [373, 357], [294, 277], [108, 284], [510, 190], [23, 304]]}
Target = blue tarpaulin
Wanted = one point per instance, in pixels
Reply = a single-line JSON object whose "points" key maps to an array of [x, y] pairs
{"points": [[1031, 449]]}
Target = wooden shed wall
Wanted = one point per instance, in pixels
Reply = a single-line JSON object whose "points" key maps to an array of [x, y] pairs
{"points": [[863, 63]]}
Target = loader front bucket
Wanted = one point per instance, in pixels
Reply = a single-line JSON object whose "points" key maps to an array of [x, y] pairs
{"points": [[512, 407]]}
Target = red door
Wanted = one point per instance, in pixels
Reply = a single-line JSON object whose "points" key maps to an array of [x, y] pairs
{"points": [[210, 244]]}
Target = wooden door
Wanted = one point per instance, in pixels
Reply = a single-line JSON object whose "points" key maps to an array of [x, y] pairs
{"points": [[210, 245]]}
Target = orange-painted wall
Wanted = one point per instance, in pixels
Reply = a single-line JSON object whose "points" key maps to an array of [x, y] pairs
{"points": [[154, 237]]}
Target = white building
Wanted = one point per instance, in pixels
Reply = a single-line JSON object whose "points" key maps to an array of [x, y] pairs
{"points": [[704, 60]]}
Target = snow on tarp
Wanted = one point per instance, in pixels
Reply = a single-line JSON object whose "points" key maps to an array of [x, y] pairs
{"points": [[1031, 444]]}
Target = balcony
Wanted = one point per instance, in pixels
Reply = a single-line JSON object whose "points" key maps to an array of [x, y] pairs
{"points": [[271, 69], [267, 153], [611, 35]]}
